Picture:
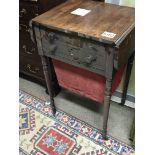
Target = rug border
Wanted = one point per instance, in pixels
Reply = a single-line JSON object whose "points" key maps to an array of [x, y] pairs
{"points": [[79, 119]]}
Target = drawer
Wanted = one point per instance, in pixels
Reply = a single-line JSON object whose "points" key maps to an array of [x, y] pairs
{"points": [[28, 11], [26, 46], [31, 66], [74, 50], [29, 54]]}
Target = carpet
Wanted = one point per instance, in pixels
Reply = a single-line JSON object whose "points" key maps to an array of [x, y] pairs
{"points": [[43, 134]]}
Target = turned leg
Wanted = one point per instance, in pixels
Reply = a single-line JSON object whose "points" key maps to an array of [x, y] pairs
{"points": [[106, 106], [127, 78], [48, 77]]}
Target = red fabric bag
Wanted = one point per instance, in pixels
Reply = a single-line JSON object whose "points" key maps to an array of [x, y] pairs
{"points": [[84, 82]]}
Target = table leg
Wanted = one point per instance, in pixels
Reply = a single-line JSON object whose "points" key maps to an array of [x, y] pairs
{"points": [[48, 77], [127, 78], [106, 106]]}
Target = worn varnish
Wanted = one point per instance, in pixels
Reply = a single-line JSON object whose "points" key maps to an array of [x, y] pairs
{"points": [[103, 17]]}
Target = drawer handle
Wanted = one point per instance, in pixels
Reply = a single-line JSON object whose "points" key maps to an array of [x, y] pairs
{"points": [[88, 60], [36, 69], [26, 28], [51, 36], [22, 13], [52, 48], [22, 25], [28, 52]]}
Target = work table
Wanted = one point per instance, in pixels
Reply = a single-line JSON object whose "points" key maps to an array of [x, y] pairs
{"points": [[91, 35]]}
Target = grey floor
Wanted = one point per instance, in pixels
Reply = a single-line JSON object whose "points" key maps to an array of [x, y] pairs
{"points": [[120, 117]]}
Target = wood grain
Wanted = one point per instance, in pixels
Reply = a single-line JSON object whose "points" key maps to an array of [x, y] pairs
{"points": [[103, 17]]}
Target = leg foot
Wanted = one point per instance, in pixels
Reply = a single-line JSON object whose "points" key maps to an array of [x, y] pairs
{"points": [[46, 91], [105, 135], [106, 107], [53, 106], [48, 68]]}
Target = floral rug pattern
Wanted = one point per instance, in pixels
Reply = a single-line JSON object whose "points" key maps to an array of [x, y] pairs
{"points": [[43, 134]]}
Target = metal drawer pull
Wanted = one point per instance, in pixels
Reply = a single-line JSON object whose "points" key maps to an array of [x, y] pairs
{"points": [[52, 48], [26, 28], [22, 13], [51, 36], [88, 60], [28, 52], [22, 25], [36, 69]]}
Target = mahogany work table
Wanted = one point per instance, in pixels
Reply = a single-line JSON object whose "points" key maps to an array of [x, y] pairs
{"points": [[93, 35]]}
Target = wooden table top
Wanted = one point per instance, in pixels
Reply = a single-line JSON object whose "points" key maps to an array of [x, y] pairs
{"points": [[103, 18]]}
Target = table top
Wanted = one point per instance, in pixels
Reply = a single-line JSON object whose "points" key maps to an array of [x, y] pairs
{"points": [[102, 22]]}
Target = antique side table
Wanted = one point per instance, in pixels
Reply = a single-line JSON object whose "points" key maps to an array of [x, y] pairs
{"points": [[96, 36]]}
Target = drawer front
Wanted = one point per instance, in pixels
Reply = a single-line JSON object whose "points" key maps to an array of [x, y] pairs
{"points": [[26, 46], [28, 11], [29, 60], [31, 66], [74, 50]]}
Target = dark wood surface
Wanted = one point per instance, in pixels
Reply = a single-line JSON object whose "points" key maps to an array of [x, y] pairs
{"points": [[77, 41], [30, 65], [103, 17]]}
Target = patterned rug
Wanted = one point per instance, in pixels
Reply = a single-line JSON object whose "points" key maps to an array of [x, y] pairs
{"points": [[43, 134]]}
